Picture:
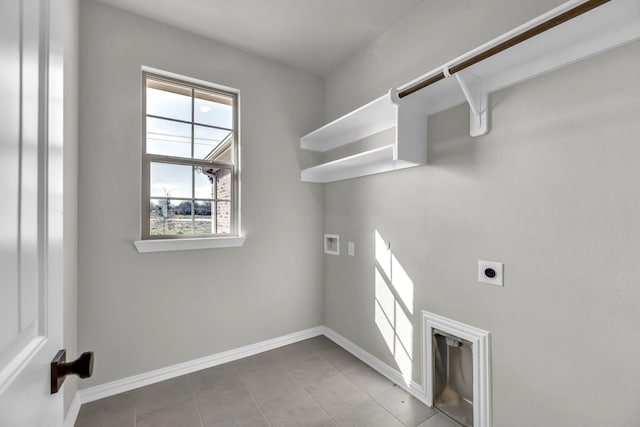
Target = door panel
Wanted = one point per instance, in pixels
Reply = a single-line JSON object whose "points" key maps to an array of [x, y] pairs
{"points": [[19, 180], [9, 171], [32, 131], [30, 210]]}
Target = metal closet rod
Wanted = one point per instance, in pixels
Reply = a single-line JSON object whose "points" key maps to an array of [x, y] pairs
{"points": [[526, 35]]}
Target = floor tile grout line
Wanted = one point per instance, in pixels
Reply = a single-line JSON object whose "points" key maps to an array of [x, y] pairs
{"points": [[388, 411], [392, 414], [356, 385], [195, 400], [311, 396], [341, 373], [371, 396], [260, 408], [135, 412], [170, 403], [285, 368], [361, 388]]}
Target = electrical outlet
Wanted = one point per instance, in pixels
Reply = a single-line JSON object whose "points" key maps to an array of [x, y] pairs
{"points": [[491, 272], [351, 248]]}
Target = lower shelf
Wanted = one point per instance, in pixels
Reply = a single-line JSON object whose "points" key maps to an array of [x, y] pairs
{"points": [[361, 164]]}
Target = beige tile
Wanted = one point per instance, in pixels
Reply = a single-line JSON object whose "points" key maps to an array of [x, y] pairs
{"points": [[370, 381], [336, 393], [318, 344], [341, 359], [293, 353], [438, 420], [239, 411], [303, 350], [260, 362], [115, 411], [164, 393], [404, 407], [269, 390], [295, 410], [269, 385], [366, 414], [312, 370], [222, 380], [183, 414]]}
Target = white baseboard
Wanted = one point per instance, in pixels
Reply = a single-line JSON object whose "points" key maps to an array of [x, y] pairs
{"points": [[72, 413], [411, 387], [126, 384]]}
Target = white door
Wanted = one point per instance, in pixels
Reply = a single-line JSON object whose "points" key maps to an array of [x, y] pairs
{"points": [[30, 210]]}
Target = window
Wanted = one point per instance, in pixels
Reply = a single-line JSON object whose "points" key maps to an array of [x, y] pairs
{"points": [[189, 160]]}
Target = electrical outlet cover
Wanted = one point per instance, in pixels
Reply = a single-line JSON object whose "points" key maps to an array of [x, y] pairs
{"points": [[498, 267]]}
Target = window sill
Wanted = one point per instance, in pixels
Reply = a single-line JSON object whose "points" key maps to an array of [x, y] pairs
{"points": [[167, 245]]}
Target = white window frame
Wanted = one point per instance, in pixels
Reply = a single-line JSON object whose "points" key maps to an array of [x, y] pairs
{"points": [[154, 243]]}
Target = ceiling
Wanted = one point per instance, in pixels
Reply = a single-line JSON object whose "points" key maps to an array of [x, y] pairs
{"points": [[315, 35]]}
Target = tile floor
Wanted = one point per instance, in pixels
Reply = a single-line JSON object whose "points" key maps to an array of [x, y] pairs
{"points": [[310, 383]]}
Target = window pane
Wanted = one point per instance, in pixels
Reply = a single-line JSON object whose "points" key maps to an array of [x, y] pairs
{"points": [[170, 217], [223, 217], [204, 179], [168, 100], [168, 138], [213, 109], [223, 184], [206, 140], [190, 150], [170, 180], [203, 220]]}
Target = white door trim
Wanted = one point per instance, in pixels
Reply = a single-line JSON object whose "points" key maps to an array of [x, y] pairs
{"points": [[480, 343]]}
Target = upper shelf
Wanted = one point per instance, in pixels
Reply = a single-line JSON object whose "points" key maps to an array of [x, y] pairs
{"points": [[374, 117], [606, 25]]}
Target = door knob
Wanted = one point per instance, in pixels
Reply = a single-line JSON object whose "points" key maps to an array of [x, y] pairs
{"points": [[60, 368]]}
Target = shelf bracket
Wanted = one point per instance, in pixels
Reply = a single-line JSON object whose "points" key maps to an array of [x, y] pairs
{"points": [[478, 100]]}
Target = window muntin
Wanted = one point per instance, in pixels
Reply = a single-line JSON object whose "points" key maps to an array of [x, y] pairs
{"points": [[189, 160]]}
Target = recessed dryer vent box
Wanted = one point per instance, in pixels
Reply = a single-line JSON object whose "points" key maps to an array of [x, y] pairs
{"points": [[332, 244]]}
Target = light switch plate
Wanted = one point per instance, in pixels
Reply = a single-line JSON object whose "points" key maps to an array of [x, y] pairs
{"points": [[484, 272], [351, 248]]}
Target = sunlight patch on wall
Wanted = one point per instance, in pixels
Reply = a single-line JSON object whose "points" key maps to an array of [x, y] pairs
{"points": [[383, 254], [385, 327], [393, 306], [402, 283]]}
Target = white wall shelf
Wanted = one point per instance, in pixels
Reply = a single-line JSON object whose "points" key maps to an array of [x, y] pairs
{"points": [[606, 26], [372, 118], [408, 149], [366, 163]]}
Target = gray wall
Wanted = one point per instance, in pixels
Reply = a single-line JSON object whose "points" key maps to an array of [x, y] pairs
{"points": [[70, 331], [140, 312], [552, 192]]}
